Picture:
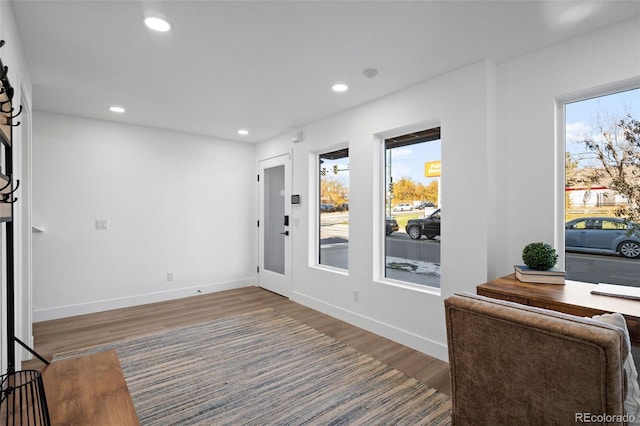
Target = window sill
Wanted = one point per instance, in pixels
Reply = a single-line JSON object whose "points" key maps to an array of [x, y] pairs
{"points": [[434, 291]]}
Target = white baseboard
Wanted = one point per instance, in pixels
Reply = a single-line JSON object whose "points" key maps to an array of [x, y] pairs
{"points": [[412, 340], [140, 299]]}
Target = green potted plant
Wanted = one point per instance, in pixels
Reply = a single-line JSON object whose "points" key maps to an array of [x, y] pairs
{"points": [[539, 256]]}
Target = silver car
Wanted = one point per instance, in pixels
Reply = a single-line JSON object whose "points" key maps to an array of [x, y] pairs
{"points": [[402, 208], [610, 235]]}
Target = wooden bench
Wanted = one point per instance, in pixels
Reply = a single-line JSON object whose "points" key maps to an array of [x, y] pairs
{"points": [[90, 390]]}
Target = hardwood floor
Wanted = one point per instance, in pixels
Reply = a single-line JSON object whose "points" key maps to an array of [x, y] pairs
{"points": [[78, 332]]}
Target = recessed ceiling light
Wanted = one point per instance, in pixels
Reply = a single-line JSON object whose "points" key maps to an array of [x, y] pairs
{"points": [[117, 109], [340, 87], [157, 24], [243, 132]]}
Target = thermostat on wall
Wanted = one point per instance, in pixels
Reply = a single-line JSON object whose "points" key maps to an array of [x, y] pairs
{"points": [[295, 199]]}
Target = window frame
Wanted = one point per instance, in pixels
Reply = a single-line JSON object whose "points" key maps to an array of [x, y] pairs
{"points": [[560, 150], [314, 210], [380, 213]]}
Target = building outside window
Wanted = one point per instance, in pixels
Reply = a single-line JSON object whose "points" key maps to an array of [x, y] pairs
{"points": [[412, 208], [602, 189], [334, 209]]}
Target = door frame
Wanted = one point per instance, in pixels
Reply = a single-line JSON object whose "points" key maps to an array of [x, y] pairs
{"points": [[269, 280]]}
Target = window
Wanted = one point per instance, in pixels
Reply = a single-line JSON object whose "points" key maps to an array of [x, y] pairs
{"points": [[412, 208], [334, 209], [602, 189]]}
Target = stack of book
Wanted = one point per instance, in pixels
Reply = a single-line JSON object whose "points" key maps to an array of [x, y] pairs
{"points": [[529, 275]]}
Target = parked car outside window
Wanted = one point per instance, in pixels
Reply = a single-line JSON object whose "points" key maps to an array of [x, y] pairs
{"points": [[391, 225], [425, 204], [605, 235], [402, 208], [429, 226], [327, 208]]}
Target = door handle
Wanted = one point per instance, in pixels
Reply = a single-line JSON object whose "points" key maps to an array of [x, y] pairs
{"points": [[284, 233]]}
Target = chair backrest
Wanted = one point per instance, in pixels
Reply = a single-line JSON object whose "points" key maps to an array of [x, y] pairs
{"points": [[512, 364]]}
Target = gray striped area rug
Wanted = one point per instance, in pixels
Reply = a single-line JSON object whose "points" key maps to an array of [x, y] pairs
{"points": [[265, 368]]}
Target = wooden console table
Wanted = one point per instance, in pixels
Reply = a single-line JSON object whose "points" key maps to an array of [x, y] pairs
{"points": [[572, 298]]}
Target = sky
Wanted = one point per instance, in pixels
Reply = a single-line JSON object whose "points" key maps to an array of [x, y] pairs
{"points": [[581, 119], [408, 161]]}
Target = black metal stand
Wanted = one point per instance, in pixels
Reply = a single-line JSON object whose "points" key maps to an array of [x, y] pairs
{"points": [[7, 200], [31, 351], [22, 397], [23, 401]]}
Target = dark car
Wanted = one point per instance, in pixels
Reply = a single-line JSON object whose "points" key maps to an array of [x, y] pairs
{"points": [[608, 235], [391, 225], [422, 206], [429, 226], [328, 208]]}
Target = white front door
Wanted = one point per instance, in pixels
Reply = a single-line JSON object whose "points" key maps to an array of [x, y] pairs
{"points": [[274, 240]]}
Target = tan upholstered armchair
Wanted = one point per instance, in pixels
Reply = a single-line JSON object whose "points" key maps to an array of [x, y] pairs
{"points": [[518, 365]]}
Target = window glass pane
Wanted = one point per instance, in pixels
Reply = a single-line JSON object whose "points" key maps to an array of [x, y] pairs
{"points": [[412, 208], [602, 189], [273, 214], [334, 209]]}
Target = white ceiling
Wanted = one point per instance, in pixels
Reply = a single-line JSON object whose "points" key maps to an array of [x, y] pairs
{"points": [[268, 66]]}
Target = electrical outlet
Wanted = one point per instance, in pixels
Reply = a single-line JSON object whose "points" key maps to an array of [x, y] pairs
{"points": [[356, 296], [102, 224], [170, 276]]}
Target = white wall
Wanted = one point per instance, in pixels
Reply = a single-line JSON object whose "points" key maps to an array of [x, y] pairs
{"points": [[12, 57], [501, 186], [174, 202], [531, 149], [459, 103]]}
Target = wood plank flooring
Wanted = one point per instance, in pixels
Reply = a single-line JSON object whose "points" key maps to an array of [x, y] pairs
{"points": [[83, 331]]}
